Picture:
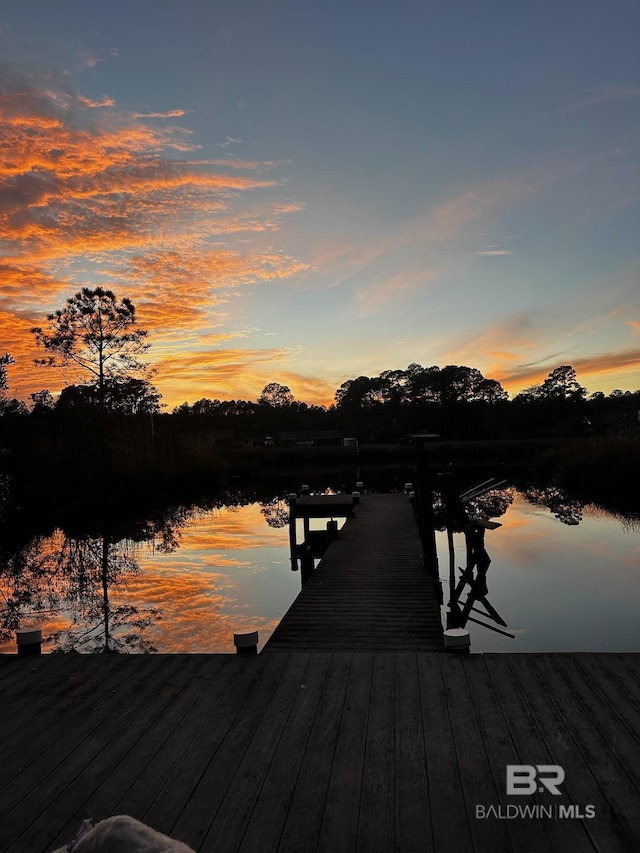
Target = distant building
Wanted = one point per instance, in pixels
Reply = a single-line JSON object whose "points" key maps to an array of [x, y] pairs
{"points": [[418, 439], [308, 438]]}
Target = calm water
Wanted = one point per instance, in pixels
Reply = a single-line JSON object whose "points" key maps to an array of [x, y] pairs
{"points": [[559, 586]]}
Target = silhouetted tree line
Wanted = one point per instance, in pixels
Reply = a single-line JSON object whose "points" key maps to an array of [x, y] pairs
{"points": [[455, 402], [109, 427], [458, 402]]}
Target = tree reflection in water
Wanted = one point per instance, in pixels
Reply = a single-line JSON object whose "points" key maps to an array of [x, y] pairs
{"points": [[71, 580], [565, 509], [275, 512]]}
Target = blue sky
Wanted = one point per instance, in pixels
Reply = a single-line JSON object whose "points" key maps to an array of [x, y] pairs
{"points": [[362, 185]]}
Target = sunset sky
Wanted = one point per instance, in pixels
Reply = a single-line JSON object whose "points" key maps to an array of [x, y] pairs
{"points": [[305, 192]]}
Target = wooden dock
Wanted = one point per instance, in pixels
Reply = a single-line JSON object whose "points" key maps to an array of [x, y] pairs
{"points": [[371, 590], [293, 752]]}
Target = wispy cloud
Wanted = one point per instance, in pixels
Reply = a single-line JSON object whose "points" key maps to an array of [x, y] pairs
{"points": [[375, 297], [494, 253], [596, 367], [603, 95], [428, 239], [167, 114]]}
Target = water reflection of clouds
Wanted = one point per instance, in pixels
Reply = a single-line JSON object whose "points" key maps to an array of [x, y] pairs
{"points": [[227, 571], [229, 574], [193, 609]]}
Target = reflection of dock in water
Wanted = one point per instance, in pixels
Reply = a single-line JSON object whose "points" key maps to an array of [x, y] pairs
{"points": [[370, 590]]}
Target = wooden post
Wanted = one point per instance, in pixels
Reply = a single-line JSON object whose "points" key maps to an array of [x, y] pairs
{"points": [[307, 565], [293, 546], [246, 642], [29, 641]]}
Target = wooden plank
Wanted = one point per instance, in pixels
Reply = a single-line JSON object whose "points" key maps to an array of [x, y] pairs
{"points": [[599, 752], [46, 684], [190, 733], [620, 703], [412, 806], [580, 786], [232, 818], [114, 740], [33, 791], [449, 824], [303, 821], [203, 802], [531, 747], [528, 836], [207, 734], [376, 829], [339, 827], [267, 821], [476, 775], [619, 700], [628, 683], [631, 662], [66, 724], [142, 741], [9, 662], [323, 506]]}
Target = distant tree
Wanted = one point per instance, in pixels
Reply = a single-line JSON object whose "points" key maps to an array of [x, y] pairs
{"points": [[490, 391], [528, 395], [94, 332], [132, 396], [129, 396], [42, 401], [276, 395], [464, 383], [5, 361], [362, 392], [76, 397], [562, 384]]}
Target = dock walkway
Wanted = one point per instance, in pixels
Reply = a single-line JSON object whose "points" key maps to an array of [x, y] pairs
{"points": [[331, 753], [370, 591]]}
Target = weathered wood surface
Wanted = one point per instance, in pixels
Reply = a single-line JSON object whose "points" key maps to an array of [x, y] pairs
{"points": [[321, 752], [322, 506], [370, 591]]}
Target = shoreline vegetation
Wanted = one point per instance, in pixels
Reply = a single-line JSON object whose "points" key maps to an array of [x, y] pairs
{"points": [[604, 471], [105, 441]]}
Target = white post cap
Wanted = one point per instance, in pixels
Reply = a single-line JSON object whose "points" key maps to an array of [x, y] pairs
{"points": [[245, 639]]}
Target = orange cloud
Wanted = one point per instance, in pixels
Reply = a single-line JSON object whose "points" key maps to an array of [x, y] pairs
{"points": [[121, 201], [597, 366]]}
